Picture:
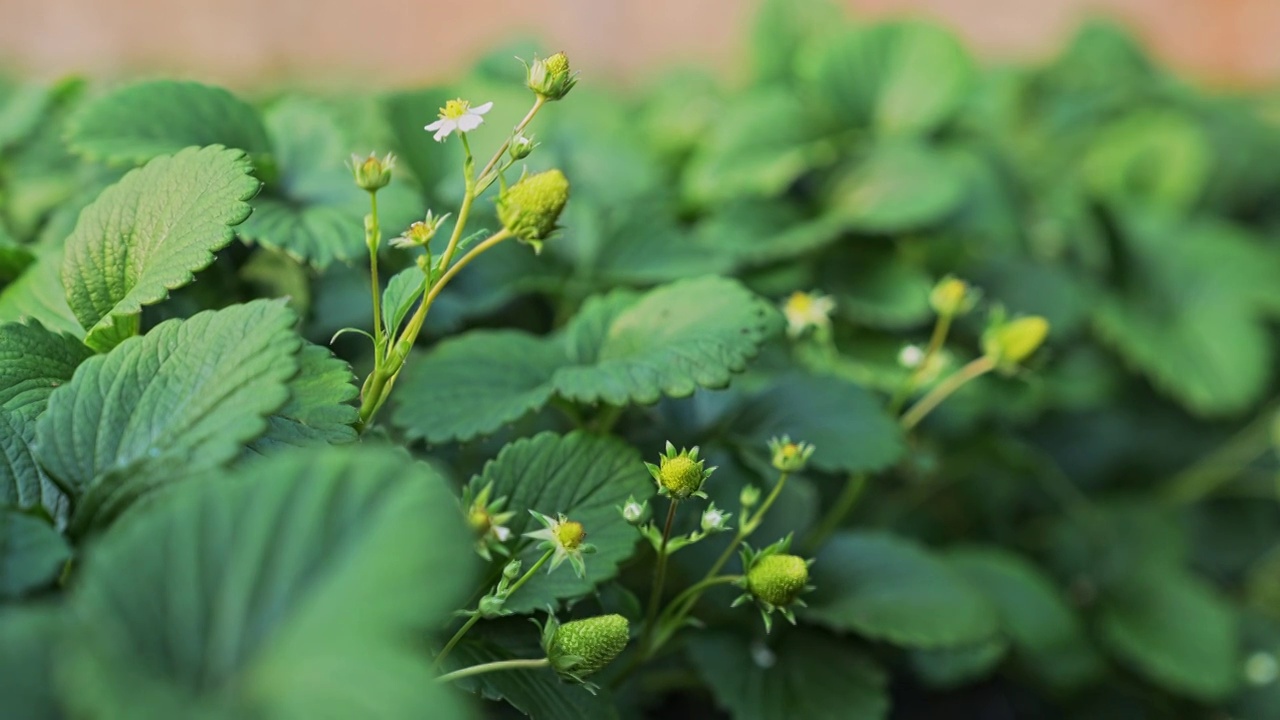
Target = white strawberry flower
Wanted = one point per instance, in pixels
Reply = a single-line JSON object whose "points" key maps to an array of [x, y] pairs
{"points": [[458, 115]]}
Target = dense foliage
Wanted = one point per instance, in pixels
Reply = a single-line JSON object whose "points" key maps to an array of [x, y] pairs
{"points": [[204, 513]]}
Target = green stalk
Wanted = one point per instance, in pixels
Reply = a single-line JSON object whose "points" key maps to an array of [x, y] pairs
{"points": [[936, 340], [853, 488], [659, 578], [944, 389], [375, 238], [494, 667], [471, 621]]}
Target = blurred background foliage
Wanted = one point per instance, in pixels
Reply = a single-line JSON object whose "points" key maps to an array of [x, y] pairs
{"points": [[1103, 529]]}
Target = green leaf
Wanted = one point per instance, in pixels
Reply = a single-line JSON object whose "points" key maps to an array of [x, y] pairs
{"points": [[1033, 614], [540, 694], [32, 554], [897, 78], [406, 113], [14, 257], [796, 673], [301, 587], [34, 362], [1178, 631], [28, 637], [783, 28], [886, 293], [846, 424], [620, 349], [1193, 315], [672, 341], [148, 234], [313, 210], [38, 295], [23, 483], [1154, 157], [899, 186], [186, 395], [889, 588], [586, 478], [950, 667], [403, 291], [319, 411], [474, 384], [136, 123]]}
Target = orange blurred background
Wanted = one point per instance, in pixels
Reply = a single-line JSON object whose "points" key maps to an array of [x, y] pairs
{"points": [[256, 42]]}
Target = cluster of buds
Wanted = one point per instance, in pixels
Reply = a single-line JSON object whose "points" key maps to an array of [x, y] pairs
{"points": [[530, 208], [582, 648], [774, 579], [487, 520], [565, 538]]}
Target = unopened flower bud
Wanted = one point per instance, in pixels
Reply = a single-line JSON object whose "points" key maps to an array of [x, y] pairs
{"points": [[789, 456], [749, 496], [521, 146], [491, 606], [371, 173], [582, 648], [951, 297], [512, 570], [1009, 343], [632, 511], [680, 475], [530, 208], [550, 78], [714, 519], [778, 579]]}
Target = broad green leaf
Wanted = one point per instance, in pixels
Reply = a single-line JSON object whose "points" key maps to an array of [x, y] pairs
{"points": [[1156, 157], [892, 589], [312, 210], [319, 411], [136, 123], [884, 293], [795, 673], [1033, 614], [620, 349], [899, 78], [149, 233], [33, 363], [14, 257], [403, 291], [32, 554], [38, 295], [475, 383], [1192, 316], [586, 478], [846, 424], [405, 114], [759, 146], [23, 483], [28, 637], [783, 28], [672, 341], [1178, 631], [899, 186], [186, 395], [300, 587], [949, 667], [540, 694]]}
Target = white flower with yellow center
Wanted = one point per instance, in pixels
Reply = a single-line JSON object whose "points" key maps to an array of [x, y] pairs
{"points": [[460, 116], [807, 310], [565, 538]]}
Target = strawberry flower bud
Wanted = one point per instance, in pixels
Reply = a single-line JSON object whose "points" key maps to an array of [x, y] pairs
{"points": [[371, 173], [680, 475], [550, 78]]}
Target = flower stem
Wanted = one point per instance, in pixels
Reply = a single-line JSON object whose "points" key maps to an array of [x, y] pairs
{"points": [[375, 237], [853, 488], [692, 593], [471, 621], [659, 578], [495, 667], [936, 340], [475, 252], [1203, 477], [944, 389], [485, 181]]}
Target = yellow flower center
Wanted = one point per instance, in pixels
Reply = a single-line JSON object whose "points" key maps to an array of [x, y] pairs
{"points": [[790, 450], [570, 534], [800, 303], [455, 109]]}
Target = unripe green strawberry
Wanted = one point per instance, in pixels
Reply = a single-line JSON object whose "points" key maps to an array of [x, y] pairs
{"points": [[530, 208], [778, 579], [681, 476], [596, 641]]}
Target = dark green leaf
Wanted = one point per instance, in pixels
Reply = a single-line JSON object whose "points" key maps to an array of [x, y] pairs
{"points": [[319, 411], [32, 554]]}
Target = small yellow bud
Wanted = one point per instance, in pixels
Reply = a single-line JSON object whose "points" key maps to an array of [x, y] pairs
{"points": [[778, 579], [788, 456], [951, 297], [1009, 343], [550, 77], [530, 208]]}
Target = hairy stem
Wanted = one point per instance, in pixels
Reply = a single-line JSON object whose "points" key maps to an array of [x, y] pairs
{"points": [[495, 667], [659, 578], [375, 237]]}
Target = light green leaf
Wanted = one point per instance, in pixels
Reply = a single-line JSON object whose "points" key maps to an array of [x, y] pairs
{"points": [[899, 186], [1033, 614], [34, 362], [38, 295], [475, 383], [793, 673], [148, 234], [1154, 157], [186, 395], [889, 588], [403, 291], [898, 78], [585, 477], [672, 341], [301, 587], [846, 424], [405, 114], [1178, 631], [14, 257], [783, 28], [319, 411], [32, 554], [313, 210], [23, 483], [540, 694], [28, 637], [136, 123]]}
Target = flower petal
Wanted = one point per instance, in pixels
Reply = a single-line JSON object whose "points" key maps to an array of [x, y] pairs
{"points": [[467, 123], [434, 126], [482, 109]]}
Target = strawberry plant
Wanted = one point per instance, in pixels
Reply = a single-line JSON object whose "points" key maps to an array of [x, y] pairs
{"points": [[877, 385]]}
